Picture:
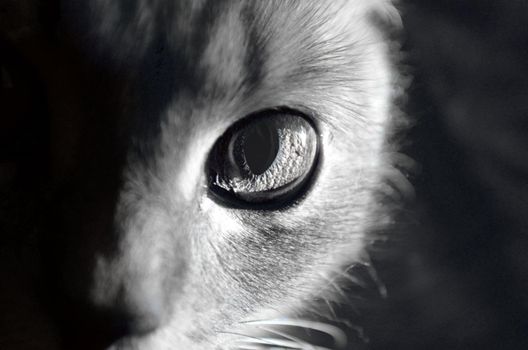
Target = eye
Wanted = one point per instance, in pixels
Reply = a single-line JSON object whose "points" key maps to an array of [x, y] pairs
{"points": [[265, 159]]}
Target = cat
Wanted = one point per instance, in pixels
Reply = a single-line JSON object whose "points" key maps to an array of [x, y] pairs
{"points": [[217, 167]]}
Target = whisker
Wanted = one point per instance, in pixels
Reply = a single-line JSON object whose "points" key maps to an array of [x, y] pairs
{"points": [[248, 347], [339, 337], [331, 309], [353, 279], [278, 342], [331, 282], [382, 288], [249, 340], [288, 337]]}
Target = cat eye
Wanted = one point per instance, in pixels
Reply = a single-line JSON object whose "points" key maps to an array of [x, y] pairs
{"points": [[266, 158]]}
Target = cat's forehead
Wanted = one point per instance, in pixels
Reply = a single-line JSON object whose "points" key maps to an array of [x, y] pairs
{"points": [[226, 44], [141, 19], [209, 63]]}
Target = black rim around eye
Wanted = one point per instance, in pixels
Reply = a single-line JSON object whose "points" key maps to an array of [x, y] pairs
{"points": [[264, 161]]}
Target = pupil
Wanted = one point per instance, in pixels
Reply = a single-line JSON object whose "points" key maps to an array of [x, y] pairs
{"points": [[261, 145]]}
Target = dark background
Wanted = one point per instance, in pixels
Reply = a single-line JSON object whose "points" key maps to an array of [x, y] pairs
{"points": [[460, 277]]}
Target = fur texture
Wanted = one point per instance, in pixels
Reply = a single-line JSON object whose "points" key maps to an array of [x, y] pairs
{"points": [[139, 91], [118, 91]]}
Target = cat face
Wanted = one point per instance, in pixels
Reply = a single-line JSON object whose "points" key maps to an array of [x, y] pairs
{"points": [[168, 232]]}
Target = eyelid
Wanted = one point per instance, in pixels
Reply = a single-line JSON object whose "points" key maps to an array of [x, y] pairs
{"points": [[283, 178]]}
